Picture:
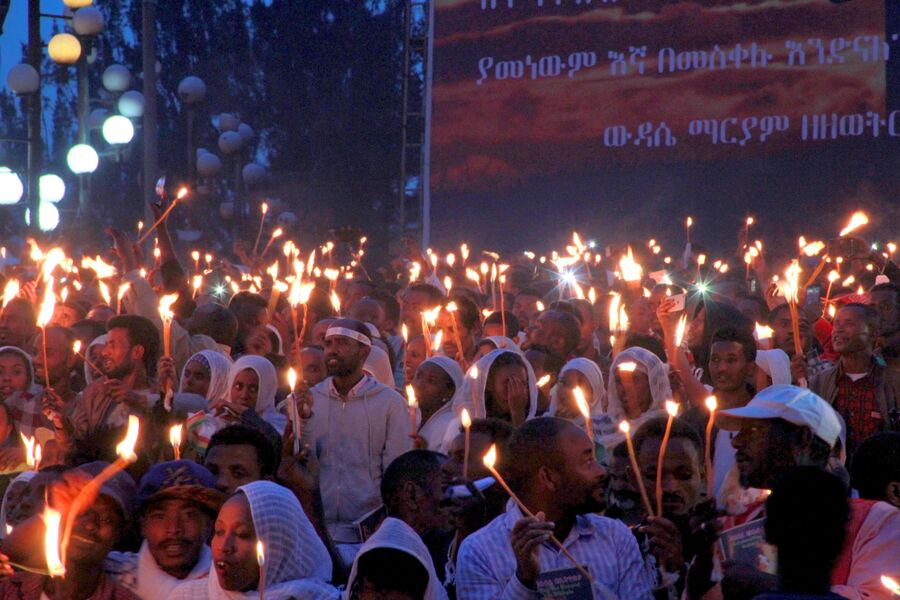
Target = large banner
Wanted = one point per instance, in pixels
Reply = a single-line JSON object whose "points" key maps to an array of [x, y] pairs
{"points": [[620, 118]]}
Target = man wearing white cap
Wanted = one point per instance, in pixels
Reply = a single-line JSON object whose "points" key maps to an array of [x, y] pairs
{"points": [[785, 426], [357, 428]]}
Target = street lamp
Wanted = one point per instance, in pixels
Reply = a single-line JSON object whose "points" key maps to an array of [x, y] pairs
{"points": [[131, 104], [87, 21], [75, 4], [11, 188], [64, 49], [23, 79], [48, 217], [53, 188], [118, 130], [82, 159], [116, 78]]}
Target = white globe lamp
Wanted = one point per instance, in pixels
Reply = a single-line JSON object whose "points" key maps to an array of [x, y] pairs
{"points": [[82, 159], [52, 188]]}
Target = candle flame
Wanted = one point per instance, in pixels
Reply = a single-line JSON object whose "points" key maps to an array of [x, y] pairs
{"points": [[335, 302], [849, 281], [679, 330], [580, 401], [260, 554], [451, 307], [292, 378], [436, 344], [473, 372], [624, 427], [831, 311], [465, 419], [672, 408], [792, 285], [451, 259], [76, 346], [858, 219], [749, 221], [690, 221], [411, 396], [103, 269], [833, 276], [813, 248], [891, 584], [10, 291], [165, 306], [711, 403], [104, 291], [631, 271], [404, 333], [125, 449], [52, 520], [277, 233], [123, 289], [29, 449], [175, 435], [181, 193], [490, 458], [448, 283], [47, 306], [539, 305], [195, 254], [763, 332], [264, 208], [544, 380]]}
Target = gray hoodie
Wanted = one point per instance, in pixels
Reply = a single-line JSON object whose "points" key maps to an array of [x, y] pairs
{"points": [[356, 437]]}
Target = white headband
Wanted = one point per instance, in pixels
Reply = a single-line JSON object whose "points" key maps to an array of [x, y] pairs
{"points": [[350, 333]]}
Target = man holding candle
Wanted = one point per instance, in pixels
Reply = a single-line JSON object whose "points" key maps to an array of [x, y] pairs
{"points": [[558, 330], [812, 362], [553, 471], [178, 502], [357, 426]]}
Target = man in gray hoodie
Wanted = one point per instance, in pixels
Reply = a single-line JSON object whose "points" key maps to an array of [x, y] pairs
{"points": [[357, 428]]}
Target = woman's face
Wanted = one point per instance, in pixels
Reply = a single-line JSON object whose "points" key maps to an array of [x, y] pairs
{"points": [[569, 380], [510, 382], [245, 389], [636, 397], [234, 546], [432, 384], [95, 354], [258, 342], [412, 358], [13, 374], [195, 379]]}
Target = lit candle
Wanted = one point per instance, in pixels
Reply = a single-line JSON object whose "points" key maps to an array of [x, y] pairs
{"points": [[687, 226], [261, 561], [275, 235], [413, 405], [466, 421], [891, 584], [295, 413], [473, 375], [263, 208], [489, 460], [175, 440], [166, 314], [451, 308], [764, 336], [711, 405], [195, 254], [182, 193], [52, 519], [503, 268], [44, 316], [672, 409], [125, 450], [585, 411], [626, 374], [121, 294], [625, 428]]}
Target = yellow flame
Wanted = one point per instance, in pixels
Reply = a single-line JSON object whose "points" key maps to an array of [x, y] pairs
{"points": [[438, 339], [451, 259], [126, 286], [52, 520], [195, 254], [679, 330], [711, 403], [10, 291], [849, 281], [448, 283], [103, 269], [614, 312], [292, 378], [891, 584], [813, 248], [763, 332], [29, 449], [631, 271], [465, 419], [672, 408], [544, 380], [858, 219], [125, 449], [47, 306], [833, 276], [792, 284], [335, 302], [580, 401], [628, 367], [175, 435], [832, 310], [260, 553], [76, 346], [104, 291], [490, 458], [404, 333], [411, 396], [624, 427], [182, 193], [165, 306]]}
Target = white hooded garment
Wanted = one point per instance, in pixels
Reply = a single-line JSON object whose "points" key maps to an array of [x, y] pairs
{"points": [[268, 383], [397, 535], [436, 427], [218, 366], [297, 563], [660, 390], [593, 374]]}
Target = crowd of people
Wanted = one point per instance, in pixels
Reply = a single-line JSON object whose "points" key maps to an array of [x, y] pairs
{"points": [[578, 425]]}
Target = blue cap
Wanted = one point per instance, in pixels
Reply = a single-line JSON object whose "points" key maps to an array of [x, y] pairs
{"points": [[180, 480]]}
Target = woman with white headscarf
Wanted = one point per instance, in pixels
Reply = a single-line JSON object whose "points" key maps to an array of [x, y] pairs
{"points": [[437, 380], [204, 381], [586, 375], [297, 565], [94, 354], [500, 385], [495, 342], [16, 489], [379, 569], [636, 399], [378, 365], [252, 383]]}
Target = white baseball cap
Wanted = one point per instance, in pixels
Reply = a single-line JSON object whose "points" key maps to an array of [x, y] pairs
{"points": [[793, 404]]}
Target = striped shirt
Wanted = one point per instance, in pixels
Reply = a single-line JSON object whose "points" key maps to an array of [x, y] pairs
{"points": [[486, 566]]}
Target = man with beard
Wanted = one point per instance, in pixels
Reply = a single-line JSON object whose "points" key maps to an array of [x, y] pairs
{"points": [[862, 391], [357, 427], [129, 357], [783, 427], [178, 502], [556, 476], [669, 537]]}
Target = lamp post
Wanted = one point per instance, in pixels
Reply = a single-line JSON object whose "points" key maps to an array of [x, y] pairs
{"points": [[35, 142]]}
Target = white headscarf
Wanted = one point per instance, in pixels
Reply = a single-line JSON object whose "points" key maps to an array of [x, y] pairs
{"points": [[436, 428], [593, 374], [471, 395], [397, 535], [29, 366], [23, 477], [776, 364], [498, 342], [378, 365], [219, 383], [97, 341], [660, 390], [297, 563], [268, 383], [450, 367]]}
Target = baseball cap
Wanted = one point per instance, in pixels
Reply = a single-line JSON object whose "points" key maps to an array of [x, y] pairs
{"points": [[793, 404], [180, 480]]}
